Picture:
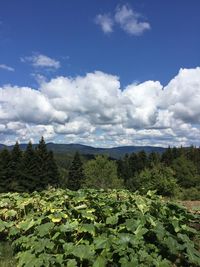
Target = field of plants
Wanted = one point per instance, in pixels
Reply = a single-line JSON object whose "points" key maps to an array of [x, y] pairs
{"points": [[97, 228]]}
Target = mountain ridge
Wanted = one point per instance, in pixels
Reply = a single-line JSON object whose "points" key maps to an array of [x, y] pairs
{"points": [[115, 152]]}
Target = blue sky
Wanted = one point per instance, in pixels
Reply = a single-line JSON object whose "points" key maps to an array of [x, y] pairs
{"points": [[137, 41], [62, 29]]}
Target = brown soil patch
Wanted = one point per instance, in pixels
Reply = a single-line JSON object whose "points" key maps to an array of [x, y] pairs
{"points": [[191, 205]]}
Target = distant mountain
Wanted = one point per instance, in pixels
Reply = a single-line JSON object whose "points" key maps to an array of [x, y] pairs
{"points": [[114, 152]]}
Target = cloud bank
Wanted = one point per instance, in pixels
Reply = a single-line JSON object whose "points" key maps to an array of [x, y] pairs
{"points": [[95, 110]]}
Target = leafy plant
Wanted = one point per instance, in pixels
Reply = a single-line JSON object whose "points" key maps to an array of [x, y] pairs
{"points": [[97, 228]]}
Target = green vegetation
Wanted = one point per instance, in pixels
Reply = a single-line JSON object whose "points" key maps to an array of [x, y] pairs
{"points": [[101, 173], [33, 169], [105, 225], [75, 173], [175, 173], [158, 178], [6, 255], [97, 228]]}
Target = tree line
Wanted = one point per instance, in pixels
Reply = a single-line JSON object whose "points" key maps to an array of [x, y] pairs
{"points": [[176, 172], [29, 170]]}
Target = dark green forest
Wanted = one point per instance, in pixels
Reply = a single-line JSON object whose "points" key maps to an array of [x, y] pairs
{"points": [[173, 173]]}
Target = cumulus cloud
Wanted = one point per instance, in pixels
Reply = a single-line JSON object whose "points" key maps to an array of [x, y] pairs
{"points": [[182, 95], [106, 22], [27, 105], [6, 67], [129, 21], [42, 61], [94, 109]]}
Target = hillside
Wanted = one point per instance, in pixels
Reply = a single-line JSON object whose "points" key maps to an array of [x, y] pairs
{"points": [[115, 152]]}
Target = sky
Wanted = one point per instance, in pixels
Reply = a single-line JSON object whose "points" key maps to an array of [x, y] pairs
{"points": [[101, 73]]}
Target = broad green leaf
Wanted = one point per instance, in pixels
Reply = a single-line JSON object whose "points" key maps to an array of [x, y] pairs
{"points": [[140, 231], [10, 214], [100, 242], [83, 252], [26, 225], [89, 228], [100, 262], [112, 220], [44, 229], [72, 263], [2, 225]]}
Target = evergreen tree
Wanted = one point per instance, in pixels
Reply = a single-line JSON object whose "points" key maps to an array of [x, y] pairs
{"points": [[75, 173], [142, 161], [159, 178], [120, 168], [193, 154], [5, 171], [185, 172], [133, 164], [153, 159], [42, 165], [53, 173], [15, 168], [29, 169], [167, 156]]}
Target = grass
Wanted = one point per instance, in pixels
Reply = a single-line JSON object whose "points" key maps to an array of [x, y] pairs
{"points": [[6, 255]]}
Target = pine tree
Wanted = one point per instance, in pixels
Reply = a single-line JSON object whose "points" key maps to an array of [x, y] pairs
{"points": [[29, 169], [15, 168], [167, 156], [5, 162], [47, 170], [75, 173], [120, 168], [53, 173], [42, 165], [133, 163], [142, 161], [153, 159]]}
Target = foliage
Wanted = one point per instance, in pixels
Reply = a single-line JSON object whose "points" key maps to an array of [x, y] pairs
{"points": [[101, 173], [29, 170], [29, 166], [5, 174], [192, 193], [185, 172], [185, 163], [158, 178], [15, 168], [6, 255], [75, 173], [97, 228]]}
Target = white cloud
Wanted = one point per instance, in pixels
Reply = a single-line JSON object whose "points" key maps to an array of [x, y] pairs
{"points": [[129, 20], [182, 95], [142, 110], [95, 110], [42, 61], [106, 22], [27, 105], [124, 16], [6, 67], [77, 126]]}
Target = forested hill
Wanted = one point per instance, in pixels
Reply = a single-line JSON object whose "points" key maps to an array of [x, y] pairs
{"points": [[115, 152]]}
